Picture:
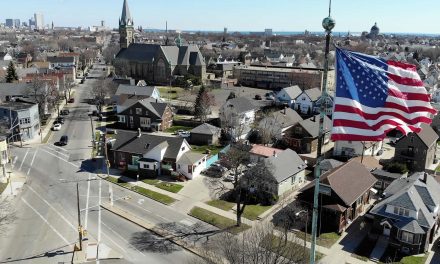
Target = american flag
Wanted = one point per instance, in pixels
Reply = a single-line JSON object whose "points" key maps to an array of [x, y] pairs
{"points": [[374, 96]]}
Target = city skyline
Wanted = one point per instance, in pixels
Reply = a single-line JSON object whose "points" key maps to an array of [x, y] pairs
{"points": [[391, 17]]}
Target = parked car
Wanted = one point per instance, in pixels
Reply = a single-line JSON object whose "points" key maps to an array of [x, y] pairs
{"points": [[257, 97], [71, 100], [56, 127], [60, 120], [82, 80], [64, 112], [63, 140], [184, 134]]}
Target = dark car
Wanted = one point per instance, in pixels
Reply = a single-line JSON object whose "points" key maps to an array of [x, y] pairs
{"points": [[71, 100], [64, 112], [82, 81], [64, 140], [257, 97], [60, 120]]}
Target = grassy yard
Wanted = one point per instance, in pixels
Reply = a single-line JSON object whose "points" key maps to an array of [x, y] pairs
{"points": [[289, 249], [224, 205], [170, 92], [171, 187], [174, 129], [437, 169], [252, 212], [413, 260], [325, 239], [217, 220], [3, 187], [162, 198], [202, 149], [151, 181]]}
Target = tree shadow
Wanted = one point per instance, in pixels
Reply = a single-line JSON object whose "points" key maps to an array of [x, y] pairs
{"points": [[147, 242]]}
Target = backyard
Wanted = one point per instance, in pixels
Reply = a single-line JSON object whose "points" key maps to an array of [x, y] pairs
{"points": [[202, 149], [251, 212]]}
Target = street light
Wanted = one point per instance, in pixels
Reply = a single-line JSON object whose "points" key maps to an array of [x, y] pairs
{"points": [[297, 214], [10, 182]]}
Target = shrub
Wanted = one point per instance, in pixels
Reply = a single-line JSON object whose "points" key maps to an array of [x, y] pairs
{"points": [[395, 167]]}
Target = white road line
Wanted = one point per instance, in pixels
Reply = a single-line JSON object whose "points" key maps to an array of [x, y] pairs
{"points": [[116, 244], [56, 148], [32, 162], [87, 204], [47, 222], [73, 164], [123, 239], [53, 208], [24, 158], [59, 152]]}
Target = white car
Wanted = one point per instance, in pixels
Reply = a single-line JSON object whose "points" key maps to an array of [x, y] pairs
{"points": [[56, 127], [184, 134]]}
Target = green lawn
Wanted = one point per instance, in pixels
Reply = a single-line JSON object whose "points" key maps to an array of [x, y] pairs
{"points": [[289, 249], [170, 92], [224, 205], [217, 220], [151, 181], [3, 187], [174, 129], [413, 260], [162, 198], [202, 149], [252, 212], [325, 239], [437, 169], [171, 187]]}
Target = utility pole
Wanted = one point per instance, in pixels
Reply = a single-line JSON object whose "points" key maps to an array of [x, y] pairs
{"points": [[328, 24], [93, 133], [99, 222], [79, 217]]}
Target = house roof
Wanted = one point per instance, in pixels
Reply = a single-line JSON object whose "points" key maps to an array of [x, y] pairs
{"points": [[369, 162], [410, 225], [61, 59], [329, 164], [128, 141], [285, 164], [14, 89], [311, 125], [157, 109], [190, 157], [264, 151], [240, 104], [427, 135], [17, 106], [313, 94], [293, 91], [414, 194], [385, 174], [206, 129], [135, 90], [349, 181]]}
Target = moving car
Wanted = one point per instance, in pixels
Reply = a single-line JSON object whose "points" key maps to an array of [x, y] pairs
{"points": [[71, 100], [64, 140], [56, 127]]}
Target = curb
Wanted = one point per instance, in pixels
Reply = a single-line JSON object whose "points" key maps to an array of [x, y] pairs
{"points": [[146, 225]]}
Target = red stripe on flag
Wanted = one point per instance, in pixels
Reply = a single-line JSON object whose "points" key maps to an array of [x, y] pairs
{"points": [[411, 109], [363, 125], [406, 66], [367, 116], [410, 96], [405, 80]]}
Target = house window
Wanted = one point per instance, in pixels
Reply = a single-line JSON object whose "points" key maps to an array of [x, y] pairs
{"points": [[401, 211], [183, 148], [135, 160], [146, 166], [407, 237], [131, 121], [138, 111], [411, 138], [121, 119], [145, 122], [178, 166], [26, 120]]}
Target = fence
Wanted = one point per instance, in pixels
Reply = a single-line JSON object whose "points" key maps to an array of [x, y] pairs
{"points": [[216, 157]]}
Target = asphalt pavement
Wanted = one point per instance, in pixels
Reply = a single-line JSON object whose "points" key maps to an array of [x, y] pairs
{"points": [[47, 219]]}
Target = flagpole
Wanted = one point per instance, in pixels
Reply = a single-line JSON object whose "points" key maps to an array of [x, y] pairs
{"points": [[328, 24]]}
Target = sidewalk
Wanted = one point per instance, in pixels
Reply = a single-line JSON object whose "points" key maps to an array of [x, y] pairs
{"points": [[18, 179]]}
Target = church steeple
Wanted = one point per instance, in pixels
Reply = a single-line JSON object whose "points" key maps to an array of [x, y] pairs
{"points": [[126, 27]]}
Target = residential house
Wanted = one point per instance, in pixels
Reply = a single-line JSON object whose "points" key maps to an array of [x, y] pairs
{"points": [[259, 152], [329, 164], [344, 148], [4, 56], [24, 119], [287, 169], [146, 115], [417, 150], [236, 117], [305, 103], [63, 62], [4, 157], [436, 119], [125, 92], [288, 95], [303, 137], [328, 105], [385, 178], [23, 58], [345, 194], [205, 134], [408, 214], [276, 123], [153, 155]]}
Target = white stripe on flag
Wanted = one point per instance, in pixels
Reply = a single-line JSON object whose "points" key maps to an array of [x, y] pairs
{"points": [[356, 117], [406, 88], [402, 72], [365, 132]]}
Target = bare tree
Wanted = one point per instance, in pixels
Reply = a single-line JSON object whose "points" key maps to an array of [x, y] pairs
{"points": [[270, 126], [260, 245], [122, 67], [110, 52], [101, 90], [39, 90], [7, 215]]}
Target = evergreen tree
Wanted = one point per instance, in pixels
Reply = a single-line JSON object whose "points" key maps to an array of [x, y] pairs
{"points": [[11, 74]]}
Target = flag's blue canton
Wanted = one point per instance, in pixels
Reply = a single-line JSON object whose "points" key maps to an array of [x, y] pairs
{"points": [[361, 78]]}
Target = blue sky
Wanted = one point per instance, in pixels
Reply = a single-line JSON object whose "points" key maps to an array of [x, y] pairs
{"points": [[281, 15]]}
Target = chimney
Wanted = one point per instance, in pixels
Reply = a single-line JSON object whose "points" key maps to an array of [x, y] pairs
{"points": [[156, 100], [139, 133], [313, 118], [425, 177]]}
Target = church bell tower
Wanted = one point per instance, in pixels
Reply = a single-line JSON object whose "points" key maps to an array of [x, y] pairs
{"points": [[126, 27]]}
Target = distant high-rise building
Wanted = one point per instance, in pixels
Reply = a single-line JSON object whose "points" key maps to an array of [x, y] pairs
{"points": [[17, 23], [268, 32], [32, 22], [9, 22], [24, 24], [102, 23], [225, 32], [39, 21]]}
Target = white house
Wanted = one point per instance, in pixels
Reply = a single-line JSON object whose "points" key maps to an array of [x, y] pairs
{"points": [[328, 105], [191, 164], [355, 148], [237, 115], [306, 101], [5, 56], [288, 95]]}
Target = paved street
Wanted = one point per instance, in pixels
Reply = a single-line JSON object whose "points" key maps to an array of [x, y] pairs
{"points": [[46, 228]]}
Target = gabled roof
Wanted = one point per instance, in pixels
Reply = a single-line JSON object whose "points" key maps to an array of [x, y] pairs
{"points": [[293, 91], [330, 164], [285, 164], [313, 94], [240, 104], [157, 109], [190, 157], [311, 125], [427, 135], [411, 226], [264, 150], [139, 52], [206, 129], [128, 141], [14, 89], [61, 59], [135, 90], [348, 181]]}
